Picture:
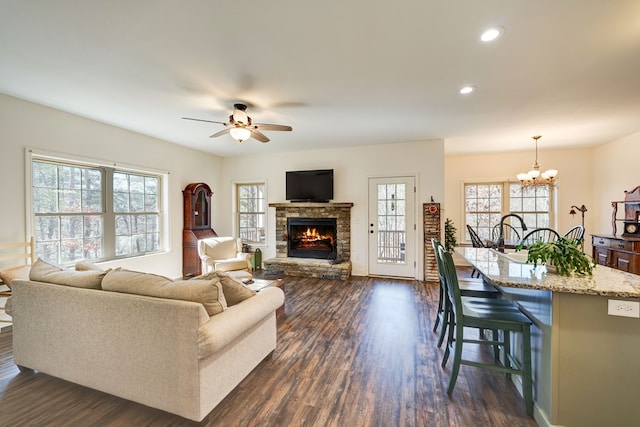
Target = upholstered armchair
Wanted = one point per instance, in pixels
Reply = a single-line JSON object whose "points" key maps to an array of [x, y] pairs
{"points": [[224, 254]]}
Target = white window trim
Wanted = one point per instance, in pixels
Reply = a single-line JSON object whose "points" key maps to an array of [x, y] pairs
{"points": [[234, 202], [32, 154]]}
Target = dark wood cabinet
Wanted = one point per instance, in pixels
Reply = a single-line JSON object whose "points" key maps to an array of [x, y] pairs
{"points": [[197, 225], [617, 252]]}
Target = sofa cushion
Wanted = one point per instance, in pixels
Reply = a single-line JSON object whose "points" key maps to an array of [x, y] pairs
{"points": [[207, 292], [234, 290], [9, 274], [42, 271]]}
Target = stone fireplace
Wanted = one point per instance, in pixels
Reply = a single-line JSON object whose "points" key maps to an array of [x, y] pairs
{"points": [[319, 235]]}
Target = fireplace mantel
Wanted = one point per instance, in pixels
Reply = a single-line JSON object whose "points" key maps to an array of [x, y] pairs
{"points": [[311, 205]]}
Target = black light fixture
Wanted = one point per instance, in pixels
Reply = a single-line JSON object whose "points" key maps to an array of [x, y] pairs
{"points": [[582, 210]]}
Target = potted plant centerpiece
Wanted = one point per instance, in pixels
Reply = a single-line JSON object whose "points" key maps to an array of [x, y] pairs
{"points": [[563, 255]]}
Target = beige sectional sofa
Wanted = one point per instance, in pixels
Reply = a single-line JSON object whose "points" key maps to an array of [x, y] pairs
{"points": [[167, 344]]}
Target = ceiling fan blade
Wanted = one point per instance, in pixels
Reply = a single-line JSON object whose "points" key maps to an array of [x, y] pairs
{"points": [[265, 126], [222, 132], [256, 134], [208, 121]]}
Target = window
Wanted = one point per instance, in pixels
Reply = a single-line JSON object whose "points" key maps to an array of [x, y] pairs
{"points": [[486, 203], [251, 210], [88, 212], [135, 204]]}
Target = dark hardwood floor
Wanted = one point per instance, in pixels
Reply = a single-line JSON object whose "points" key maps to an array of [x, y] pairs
{"points": [[350, 353]]}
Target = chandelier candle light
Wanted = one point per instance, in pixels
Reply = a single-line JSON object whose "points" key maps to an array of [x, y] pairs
{"points": [[534, 177]]}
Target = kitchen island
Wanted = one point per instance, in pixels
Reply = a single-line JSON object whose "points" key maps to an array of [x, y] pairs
{"points": [[586, 362]]}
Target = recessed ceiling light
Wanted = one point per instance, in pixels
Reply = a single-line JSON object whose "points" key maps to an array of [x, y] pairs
{"points": [[491, 34], [467, 89]]}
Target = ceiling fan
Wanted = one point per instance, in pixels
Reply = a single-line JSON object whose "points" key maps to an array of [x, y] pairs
{"points": [[240, 126]]}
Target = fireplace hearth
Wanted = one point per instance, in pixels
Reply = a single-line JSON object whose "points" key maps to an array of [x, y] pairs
{"points": [[311, 237]]}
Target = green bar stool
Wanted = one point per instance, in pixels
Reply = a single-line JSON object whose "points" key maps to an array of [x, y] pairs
{"points": [[485, 315], [468, 288]]}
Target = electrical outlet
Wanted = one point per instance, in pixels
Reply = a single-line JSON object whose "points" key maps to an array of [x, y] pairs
{"points": [[624, 308]]}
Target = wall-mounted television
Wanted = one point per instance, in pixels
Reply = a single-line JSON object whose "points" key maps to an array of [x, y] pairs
{"points": [[310, 185]]}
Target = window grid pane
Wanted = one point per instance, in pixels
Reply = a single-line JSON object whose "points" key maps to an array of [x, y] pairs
{"points": [[391, 223], [68, 211], [135, 200], [532, 204], [483, 205], [251, 213]]}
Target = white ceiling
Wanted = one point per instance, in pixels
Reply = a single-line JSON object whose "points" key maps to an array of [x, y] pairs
{"points": [[347, 72]]}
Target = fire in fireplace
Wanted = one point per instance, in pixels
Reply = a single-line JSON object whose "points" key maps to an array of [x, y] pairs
{"points": [[311, 237]]}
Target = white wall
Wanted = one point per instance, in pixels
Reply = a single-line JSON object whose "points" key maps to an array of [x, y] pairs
{"points": [[352, 167], [25, 124], [574, 187], [590, 176], [616, 169]]}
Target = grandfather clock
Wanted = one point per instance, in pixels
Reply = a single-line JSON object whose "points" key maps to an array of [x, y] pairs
{"points": [[197, 225]]}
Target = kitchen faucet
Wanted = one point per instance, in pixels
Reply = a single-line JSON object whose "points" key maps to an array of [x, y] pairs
{"points": [[500, 244]]}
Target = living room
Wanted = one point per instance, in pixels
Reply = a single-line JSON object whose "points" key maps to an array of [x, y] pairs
{"points": [[393, 111], [593, 176]]}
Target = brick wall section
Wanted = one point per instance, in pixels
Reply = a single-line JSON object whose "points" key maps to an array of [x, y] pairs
{"points": [[306, 267], [431, 221]]}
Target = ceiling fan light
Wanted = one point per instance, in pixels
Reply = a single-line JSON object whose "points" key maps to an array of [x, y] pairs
{"points": [[491, 34], [240, 134]]}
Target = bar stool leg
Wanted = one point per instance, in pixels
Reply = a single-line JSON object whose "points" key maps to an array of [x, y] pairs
{"points": [[457, 358]]}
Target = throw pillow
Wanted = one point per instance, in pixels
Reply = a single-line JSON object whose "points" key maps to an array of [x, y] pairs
{"points": [[234, 290], [42, 271], [207, 292], [87, 266], [14, 273]]}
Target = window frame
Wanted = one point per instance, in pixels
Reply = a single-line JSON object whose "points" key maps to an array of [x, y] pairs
{"points": [[107, 169], [505, 203], [238, 212]]}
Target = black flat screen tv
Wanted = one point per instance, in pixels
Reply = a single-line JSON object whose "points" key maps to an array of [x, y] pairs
{"points": [[309, 186]]}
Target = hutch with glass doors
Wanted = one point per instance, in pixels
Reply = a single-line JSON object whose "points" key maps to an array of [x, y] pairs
{"points": [[621, 252]]}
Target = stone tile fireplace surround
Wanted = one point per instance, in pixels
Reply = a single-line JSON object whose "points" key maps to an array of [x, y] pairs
{"points": [[282, 264]]}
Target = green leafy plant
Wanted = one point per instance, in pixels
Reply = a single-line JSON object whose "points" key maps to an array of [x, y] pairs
{"points": [[450, 240], [563, 254]]}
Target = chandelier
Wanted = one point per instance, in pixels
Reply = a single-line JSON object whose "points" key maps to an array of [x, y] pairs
{"points": [[534, 177]]}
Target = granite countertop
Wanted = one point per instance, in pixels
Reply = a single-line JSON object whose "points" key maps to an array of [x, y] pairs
{"points": [[510, 270]]}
